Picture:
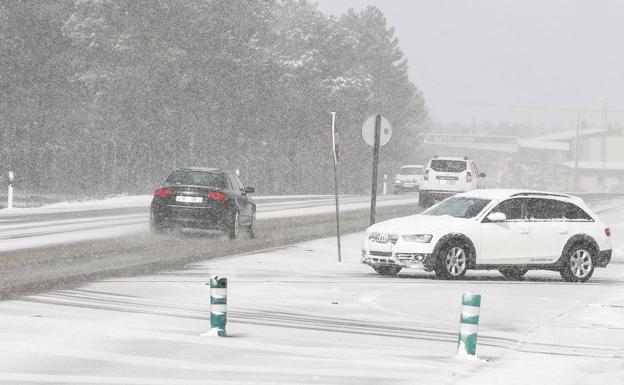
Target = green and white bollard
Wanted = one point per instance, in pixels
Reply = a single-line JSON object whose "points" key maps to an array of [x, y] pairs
{"points": [[469, 323], [218, 305]]}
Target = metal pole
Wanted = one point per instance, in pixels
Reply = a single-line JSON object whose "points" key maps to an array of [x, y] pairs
{"points": [[375, 167], [604, 135], [335, 151], [576, 151]]}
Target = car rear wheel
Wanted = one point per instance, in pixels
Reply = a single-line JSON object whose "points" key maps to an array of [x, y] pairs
{"points": [[387, 270], [578, 264], [234, 230], [423, 199], [452, 261], [513, 272], [156, 227]]}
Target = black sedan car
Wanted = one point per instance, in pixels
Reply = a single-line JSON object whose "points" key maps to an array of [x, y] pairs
{"points": [[204, 198]]}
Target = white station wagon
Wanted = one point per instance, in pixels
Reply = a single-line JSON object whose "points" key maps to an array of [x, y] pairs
{"points": [[512, 231]]}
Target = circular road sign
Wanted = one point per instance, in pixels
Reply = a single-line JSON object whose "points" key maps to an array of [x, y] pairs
{"points": [[368, 131]]}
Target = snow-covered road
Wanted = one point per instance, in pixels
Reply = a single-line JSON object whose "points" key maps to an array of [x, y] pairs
{"points": [[128, 216], [296, 316]]}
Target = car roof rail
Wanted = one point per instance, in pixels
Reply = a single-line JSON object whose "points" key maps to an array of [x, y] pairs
{"points": [[542, 194]]}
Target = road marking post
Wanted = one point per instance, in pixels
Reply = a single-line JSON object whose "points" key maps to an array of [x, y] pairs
{"points": [[218, 305], [469, 323], [10, 192]]}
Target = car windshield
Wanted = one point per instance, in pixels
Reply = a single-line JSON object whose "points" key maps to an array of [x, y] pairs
{"points": [[411, 171], [196, 178], [448, 165], [460, 207]]}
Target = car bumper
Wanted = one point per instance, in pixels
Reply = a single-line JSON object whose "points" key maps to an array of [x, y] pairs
{"points": [[208, 218], [406, 186], [603, 258], [408, 255]]}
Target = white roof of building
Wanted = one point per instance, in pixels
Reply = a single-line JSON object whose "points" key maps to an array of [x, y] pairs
{"points": [[596, 165], [568, 134]]}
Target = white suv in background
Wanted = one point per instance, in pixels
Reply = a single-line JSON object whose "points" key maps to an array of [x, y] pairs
{"points": [[447, 176], [512, 231], [407, 179]]}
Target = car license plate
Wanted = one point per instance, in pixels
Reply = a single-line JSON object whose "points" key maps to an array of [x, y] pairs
{"points": [[446, 181], [187, 199]]}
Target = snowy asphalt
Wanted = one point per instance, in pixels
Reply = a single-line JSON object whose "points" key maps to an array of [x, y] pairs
{"points": [[49, 249]]}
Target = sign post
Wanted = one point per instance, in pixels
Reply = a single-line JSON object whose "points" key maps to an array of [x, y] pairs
{"points": [[376, 131], [335, 151], [10, 193]]}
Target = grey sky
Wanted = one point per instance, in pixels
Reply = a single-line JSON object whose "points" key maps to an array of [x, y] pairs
{"points": [[549, 53]]}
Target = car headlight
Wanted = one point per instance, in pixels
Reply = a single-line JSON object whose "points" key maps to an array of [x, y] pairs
{"points": [[421, 238], [372, 236], [396, 181]]}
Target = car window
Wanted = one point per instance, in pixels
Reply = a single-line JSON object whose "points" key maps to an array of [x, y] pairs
{"points": [[514, 209], [448, 165], [234, 182], [196, 178], [460, 207], [572, 212], [476, 170], [542, 209], [411, 171], [238, 182]]}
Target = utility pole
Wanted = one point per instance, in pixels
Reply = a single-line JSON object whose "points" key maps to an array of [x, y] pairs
{"points": [[603, 144], [375, 167], [576, 152]]}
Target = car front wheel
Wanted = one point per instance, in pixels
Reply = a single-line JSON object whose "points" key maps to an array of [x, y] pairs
{"points": [[251, 229], [452, 262], [578, 264], [235, 226]]}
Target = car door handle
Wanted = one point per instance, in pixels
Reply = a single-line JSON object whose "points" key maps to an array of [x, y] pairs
{"points": [[524, 230], [563, 230]]}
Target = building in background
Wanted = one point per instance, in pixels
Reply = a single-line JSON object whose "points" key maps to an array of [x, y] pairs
{"points": [[575, 160]]}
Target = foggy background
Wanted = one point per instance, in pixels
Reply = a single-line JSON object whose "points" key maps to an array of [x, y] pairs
{"points": [[100, 98], [558, 56]]}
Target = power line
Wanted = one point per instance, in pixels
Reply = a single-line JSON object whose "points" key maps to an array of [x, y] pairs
{"points": [[520, 107]]}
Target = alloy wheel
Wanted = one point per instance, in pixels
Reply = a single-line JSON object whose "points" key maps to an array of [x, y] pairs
{"points": [[455, 261], [581, 263]]}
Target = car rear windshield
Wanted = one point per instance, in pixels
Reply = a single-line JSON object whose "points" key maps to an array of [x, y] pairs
{"points": [[196, 178], [411, 171], [460, 207], [448, 165]]}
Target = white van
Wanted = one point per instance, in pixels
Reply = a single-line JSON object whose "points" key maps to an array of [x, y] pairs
{"points": [[447, 176]]}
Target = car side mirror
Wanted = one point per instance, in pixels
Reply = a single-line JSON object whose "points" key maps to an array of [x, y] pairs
{"points": [[497, 217], [482, 175], [250, 190]]}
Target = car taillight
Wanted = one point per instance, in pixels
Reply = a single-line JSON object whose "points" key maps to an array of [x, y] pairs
{"points": [[468, 177], [163, 193], [218, 196], [426, 175], [607, 232]]}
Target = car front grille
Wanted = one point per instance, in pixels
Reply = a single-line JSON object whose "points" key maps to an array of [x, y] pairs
{"points": [[380, 253]]}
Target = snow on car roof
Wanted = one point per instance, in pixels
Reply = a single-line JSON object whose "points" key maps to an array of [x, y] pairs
{"points": [[500, 194]]}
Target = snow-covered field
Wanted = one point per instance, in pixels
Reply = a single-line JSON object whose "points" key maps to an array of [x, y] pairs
{"points": [[297, 316]]}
